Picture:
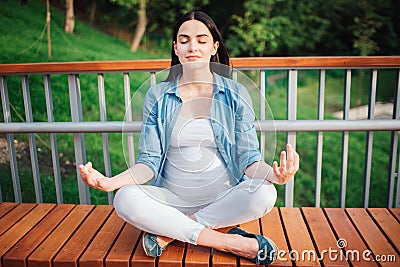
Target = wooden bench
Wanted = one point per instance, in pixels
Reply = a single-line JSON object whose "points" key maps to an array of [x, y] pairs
{"points": [[88, 235]]}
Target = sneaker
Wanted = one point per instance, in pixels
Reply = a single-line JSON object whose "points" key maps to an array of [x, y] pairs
{"points": [[151, 246], [267, 249]]}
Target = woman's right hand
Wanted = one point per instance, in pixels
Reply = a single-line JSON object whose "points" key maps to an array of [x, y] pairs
{"points": [[94, 178]]}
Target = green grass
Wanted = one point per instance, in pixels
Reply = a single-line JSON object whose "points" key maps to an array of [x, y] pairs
{"points": [[24, 38], [20, 32]]}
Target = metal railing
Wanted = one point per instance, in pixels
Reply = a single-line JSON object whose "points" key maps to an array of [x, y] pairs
{"points": [[77, 126]]}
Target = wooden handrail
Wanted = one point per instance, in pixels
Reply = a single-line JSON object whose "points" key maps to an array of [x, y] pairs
{"points": [[240, 63], [317, 62]]}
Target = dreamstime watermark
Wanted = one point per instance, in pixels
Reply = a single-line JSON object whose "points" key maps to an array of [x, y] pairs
{"points": [[334, 254]]}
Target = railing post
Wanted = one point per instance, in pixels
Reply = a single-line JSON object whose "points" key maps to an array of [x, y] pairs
{"points": [[235, 75], [393, 151], [79, 142], [397, 205], [291, 136], [345, 141], [262, 111], [10, 140], [53, 139], [370, 139], [32, 140], [128, 118], [153, 79], [321, 99], [104, 136]]}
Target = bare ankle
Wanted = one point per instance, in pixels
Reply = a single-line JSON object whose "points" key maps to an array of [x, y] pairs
{"points": [[163, 240], [245, 247]]}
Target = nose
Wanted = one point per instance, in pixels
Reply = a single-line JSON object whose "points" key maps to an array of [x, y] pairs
{"points": [[193, 46]]}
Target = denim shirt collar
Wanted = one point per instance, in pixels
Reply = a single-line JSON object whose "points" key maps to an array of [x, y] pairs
{"points": [[217, 86]]}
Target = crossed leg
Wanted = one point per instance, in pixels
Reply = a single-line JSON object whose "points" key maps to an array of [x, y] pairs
{"points": [[143, 206]]}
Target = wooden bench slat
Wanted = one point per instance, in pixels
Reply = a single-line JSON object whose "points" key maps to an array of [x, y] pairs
{"points": [[23, 226], [376, 241], [223, 259], [300, 242], [271, 226], [140, 259], [71, 251], [5, 207], [173, 255], [396, 213], [197, 256], [389, 225], [14, 216], [348, 235], [120, 254], [19, 253], [102, 242], [324, 238], [43, 255]]}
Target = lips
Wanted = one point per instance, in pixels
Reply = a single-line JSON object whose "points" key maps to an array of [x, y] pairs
{"points": [[192, 57]]}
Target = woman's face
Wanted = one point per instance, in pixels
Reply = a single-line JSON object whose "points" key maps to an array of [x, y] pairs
{"points": [[194, 42]]}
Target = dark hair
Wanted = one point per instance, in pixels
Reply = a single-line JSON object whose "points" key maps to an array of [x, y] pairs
{"points": [[221, 56]]}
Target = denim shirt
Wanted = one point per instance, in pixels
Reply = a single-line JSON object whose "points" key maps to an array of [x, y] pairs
{"points": [[232, 121]]}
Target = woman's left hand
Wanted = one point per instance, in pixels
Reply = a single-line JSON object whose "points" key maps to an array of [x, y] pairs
{"points": [[288, 165]]}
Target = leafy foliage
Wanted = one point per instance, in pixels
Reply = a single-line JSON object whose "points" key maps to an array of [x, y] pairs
{"points": [[364, 30], [270, 27], [257, 32], [126, 3], [276, 27], [264, 27], [164, 14]]}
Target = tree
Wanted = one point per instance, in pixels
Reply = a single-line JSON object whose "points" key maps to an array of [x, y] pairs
{"points": [[69, 16], [257, 32], [140, 27], [272, 27], [141, 19], [308, 26], [365, 29], [48, 19], [92, 12], [172, 10]]}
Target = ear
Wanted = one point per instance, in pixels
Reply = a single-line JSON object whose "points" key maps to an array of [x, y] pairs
{"points": [[174, 43], [215, 48]]}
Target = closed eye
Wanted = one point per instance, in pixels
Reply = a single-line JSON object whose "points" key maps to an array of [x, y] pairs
{"points": [[202, 39], [183, 40]]}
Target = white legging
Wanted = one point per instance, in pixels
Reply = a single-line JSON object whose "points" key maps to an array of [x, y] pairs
{"points": [[149, 208]]}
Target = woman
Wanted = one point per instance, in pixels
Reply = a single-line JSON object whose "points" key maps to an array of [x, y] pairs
{"points": [[199, 167]]}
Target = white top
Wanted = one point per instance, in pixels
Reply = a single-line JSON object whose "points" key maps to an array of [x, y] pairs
{"points": [[194, 169]]}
